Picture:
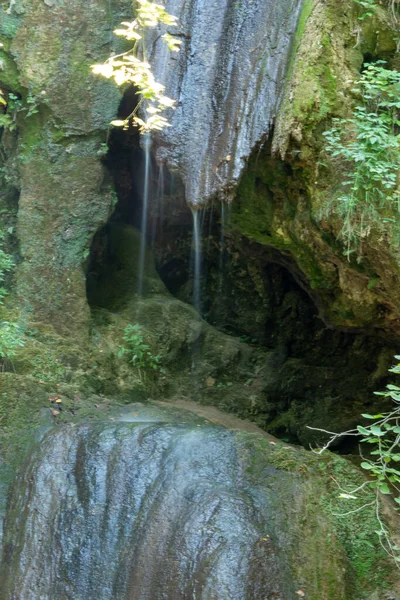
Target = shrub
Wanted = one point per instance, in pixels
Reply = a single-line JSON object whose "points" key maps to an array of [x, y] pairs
{"points": [[136, 350], [369, 145], [382, 463]]}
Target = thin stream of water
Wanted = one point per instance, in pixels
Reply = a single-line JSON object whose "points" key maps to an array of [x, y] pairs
{"points": [[145, 208], [196, 253], [221, 251], [210, 223], [159, 208]]}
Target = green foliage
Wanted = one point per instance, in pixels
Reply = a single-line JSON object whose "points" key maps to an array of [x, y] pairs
{"points": [[11, 338], [15, 106], [384, 435], [132, 68], [224, 383], [7, 122], [11, 333], [369, 146], [136, 350], [370, 7], [46, 368], [382, 463], [6, 265], [2, 98]]}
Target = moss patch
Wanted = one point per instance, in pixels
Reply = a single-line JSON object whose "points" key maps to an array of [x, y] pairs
{"points": [[351, 542]]}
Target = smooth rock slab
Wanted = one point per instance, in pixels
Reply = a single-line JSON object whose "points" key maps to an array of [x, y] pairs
{"points": [[139, 511]]}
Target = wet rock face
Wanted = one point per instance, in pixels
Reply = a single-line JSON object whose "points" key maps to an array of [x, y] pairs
{"points": [[227, 80], [151, 502], [141, 511]]}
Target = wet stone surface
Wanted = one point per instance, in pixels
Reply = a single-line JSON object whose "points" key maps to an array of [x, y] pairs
{"points": [[228, 81], [145, 506]]}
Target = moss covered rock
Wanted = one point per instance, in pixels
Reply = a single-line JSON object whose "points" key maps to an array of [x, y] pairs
{"points": [[281, 200], [63, 112]]}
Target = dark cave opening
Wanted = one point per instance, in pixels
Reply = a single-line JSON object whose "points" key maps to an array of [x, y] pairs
{"points": [[320, 375]]}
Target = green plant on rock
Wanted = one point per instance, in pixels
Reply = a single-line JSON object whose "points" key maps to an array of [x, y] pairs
{"points": [[47, 369], [369, 8], [368, 146], [3, 101], [136, 350], [11, 333], [382, 463], [131, 67], [14, 106], [6, 265], [11, 338]]}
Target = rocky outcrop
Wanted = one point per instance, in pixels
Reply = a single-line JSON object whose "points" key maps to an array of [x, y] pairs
{"points": [[65, 194], [294, 186], [228, 81]]}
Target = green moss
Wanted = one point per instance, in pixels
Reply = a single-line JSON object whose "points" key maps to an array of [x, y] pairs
{"points": [[31, 131], [21, 400], [351, 541], [307, 8], [265, 210], [9, 75], [8, 24], [319, 92]]}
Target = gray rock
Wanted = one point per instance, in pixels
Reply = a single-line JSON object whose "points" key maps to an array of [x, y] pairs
{"points": [[228, 80]]}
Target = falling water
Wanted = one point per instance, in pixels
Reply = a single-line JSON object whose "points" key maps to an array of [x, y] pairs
{"points": [[196, 253], [210, 224], [221, 251], [159, 207], [145, 208], [228, 81]]}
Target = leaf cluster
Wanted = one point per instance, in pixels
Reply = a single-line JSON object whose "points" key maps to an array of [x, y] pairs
{"points": [[11, 333], [132, 68], [370, 8], [6, 265], [14, 106], [136, 350], [368, 144], [11, 338], [384, 433], [382, 463]]}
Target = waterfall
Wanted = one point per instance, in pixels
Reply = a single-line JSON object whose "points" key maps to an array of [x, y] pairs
{"points": [[196, 259], [145, 209]]}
